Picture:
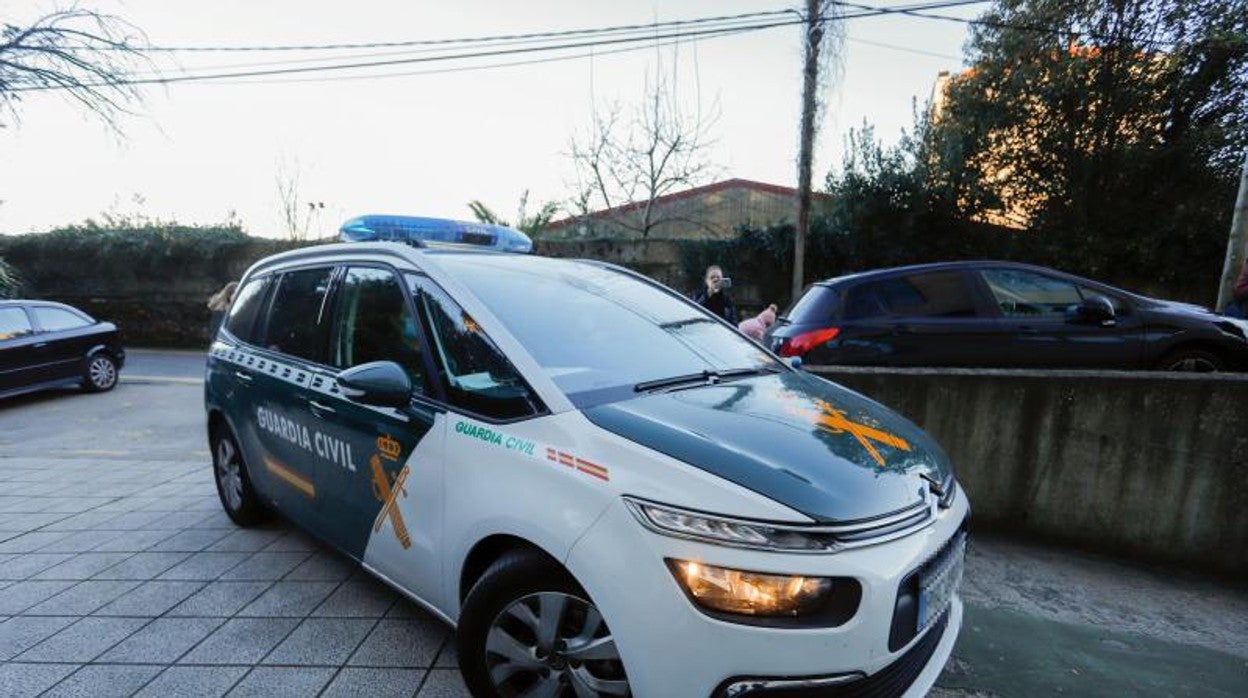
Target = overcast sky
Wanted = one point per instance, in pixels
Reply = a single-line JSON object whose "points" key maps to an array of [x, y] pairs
{"points": [[427, 144]]}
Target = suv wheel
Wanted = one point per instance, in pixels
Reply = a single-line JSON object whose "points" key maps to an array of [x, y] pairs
{"points": [[527, 628], [101, 373], [233, 484], [1192, 360]]}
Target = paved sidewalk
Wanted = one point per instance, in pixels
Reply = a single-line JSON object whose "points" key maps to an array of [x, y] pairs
{"points": [[120, 574]]}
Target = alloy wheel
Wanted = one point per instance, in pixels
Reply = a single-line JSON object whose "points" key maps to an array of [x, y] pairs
{"points": [[1193, 364], [553, 645], [102, 372], [229, 474]]}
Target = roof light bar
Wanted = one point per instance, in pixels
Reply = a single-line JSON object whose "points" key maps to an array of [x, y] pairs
{"points": [[422, 232]]}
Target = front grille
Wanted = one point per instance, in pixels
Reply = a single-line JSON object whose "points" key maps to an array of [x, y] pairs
{"points": [[889, 682]]}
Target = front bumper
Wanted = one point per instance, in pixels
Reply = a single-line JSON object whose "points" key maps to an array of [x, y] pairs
{"points": [[671, 648]]}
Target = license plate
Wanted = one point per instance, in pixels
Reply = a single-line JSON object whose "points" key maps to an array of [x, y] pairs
{"points": [[937, 586]]}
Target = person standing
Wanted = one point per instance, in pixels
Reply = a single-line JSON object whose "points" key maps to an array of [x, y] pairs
{"points": [[715, 296], [1238, 305]]}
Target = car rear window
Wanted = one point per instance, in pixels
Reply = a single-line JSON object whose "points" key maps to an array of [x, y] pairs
{"points": [[14, 323], [55, 319], [818, 304], [929, 294], [246, 307]]}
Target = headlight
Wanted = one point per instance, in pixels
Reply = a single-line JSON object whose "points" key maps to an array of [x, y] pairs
{"points": [[751, 593], [723, 531], [1241, 325]]}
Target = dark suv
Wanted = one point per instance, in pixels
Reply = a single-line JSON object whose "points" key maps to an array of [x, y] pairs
{"points": [[1001, 314]]}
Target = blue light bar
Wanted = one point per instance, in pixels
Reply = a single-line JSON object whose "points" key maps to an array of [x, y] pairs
{"points": [[419, 231]]}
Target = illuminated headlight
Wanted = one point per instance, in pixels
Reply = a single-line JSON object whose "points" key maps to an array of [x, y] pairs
{"points": [[735, 533], [751, 593]]}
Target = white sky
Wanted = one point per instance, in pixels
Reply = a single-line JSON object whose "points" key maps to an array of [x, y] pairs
{"points": [[428, 144]]}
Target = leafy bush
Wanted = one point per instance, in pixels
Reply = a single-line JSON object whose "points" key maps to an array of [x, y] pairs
{"points": [[10, 285]]}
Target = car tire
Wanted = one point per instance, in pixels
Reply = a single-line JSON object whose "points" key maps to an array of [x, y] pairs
{"points": [[229, 471], [100, 375], [1192, 360], [526, 625]]}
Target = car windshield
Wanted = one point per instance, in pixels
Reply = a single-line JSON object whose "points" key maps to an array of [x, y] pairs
{"points": [[599, 333]]}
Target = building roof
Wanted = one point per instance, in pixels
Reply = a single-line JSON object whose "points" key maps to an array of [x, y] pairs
{"points": [[716, 187]]}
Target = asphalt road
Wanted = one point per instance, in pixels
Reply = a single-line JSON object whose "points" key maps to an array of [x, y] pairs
{"points": [[111, 541]]}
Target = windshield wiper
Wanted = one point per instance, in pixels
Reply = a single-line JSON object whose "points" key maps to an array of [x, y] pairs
{"points": [[703, 378]]}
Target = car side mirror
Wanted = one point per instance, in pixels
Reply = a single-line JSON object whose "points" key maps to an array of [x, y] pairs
{"points": [[380, 383], [1095, 310]]}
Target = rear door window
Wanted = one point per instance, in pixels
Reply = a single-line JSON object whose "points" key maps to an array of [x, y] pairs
{"points": [[14, 324], [298, 322], [1020, 293], [376, 324], [929, 294], [56, 319], [819, 304]]}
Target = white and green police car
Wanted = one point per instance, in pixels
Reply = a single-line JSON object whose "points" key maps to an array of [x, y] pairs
{"points": [[604, 489]]}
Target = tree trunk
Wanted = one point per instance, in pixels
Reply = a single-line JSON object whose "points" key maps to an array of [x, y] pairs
{"points": [[805, 157]]}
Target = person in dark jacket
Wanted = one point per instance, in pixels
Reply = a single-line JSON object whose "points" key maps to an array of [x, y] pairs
{"points": [[715, 297]]}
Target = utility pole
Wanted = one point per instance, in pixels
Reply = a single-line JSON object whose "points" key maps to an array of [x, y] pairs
{"points": [[1237, 245], [805, 157]]}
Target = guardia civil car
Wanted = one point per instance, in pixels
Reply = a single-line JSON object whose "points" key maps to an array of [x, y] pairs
{"points": [[604, 489]]}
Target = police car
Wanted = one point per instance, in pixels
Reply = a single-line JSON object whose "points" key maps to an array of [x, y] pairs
{"points": [[603, 488]]}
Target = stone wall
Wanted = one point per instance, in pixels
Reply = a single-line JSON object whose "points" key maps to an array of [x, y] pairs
{"points": [[1141, 464]]}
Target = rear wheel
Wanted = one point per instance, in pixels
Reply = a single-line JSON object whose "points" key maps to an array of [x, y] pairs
{"points": [[528, 629], [233, 484], [1192, 360], [101, 373]]}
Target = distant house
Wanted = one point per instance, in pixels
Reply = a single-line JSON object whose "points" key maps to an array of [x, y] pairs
{"points": [[710, 212]]}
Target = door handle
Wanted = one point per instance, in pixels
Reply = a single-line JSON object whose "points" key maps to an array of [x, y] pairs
{"points": [[245, 377], [321, 408]]}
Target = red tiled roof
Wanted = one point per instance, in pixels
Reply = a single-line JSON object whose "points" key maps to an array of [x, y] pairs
{"points": [[716, 187]]}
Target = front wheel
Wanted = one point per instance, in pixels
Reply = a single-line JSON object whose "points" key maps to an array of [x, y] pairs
{"points": [[101, 373], [1192, 360], [528, 629]]}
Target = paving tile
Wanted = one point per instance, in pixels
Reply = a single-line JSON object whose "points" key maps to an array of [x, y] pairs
{"points": [[283, 682], [30, 542], [22, 680], [79, 542], [444, 683], [217, 519], [266, 566], [177, 520], [246, 541], [289, 599], [375, 683], [133, 521], [23, 566], [86, 521], [142, 566], [83, 641], [204, 566], [220, 599], [151, 599], [133, 541], [191, 541], [82, 599], [240, 641], [193, 682], [22, 595], [20, 634], [161, 641], [401, 643], [363, 599], [82, 566], [325, 566], [321, 641], [448, 658], [104, 681]]}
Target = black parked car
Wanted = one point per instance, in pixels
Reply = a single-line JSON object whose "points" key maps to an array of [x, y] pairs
{"points": [[1001, 314], [45, 345]]}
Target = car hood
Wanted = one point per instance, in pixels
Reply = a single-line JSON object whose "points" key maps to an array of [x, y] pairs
{"points": [[818, 448]]}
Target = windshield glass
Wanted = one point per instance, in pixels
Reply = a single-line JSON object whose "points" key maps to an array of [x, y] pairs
{"points": [[597, 332]]}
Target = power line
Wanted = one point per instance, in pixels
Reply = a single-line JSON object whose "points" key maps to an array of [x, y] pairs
{"points": [[469, 40]]}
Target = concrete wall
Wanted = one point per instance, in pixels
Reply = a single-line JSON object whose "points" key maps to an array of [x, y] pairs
{"points": [[1141, 464]]}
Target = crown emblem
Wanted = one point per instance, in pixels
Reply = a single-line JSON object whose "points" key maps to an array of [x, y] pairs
{"points": [[388, 447]]}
